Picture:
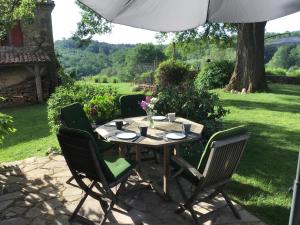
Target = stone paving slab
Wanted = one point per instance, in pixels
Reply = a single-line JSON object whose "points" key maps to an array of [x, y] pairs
{"points": [[34, 192]]}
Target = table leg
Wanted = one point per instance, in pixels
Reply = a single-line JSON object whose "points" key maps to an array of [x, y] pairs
{"points": [[166, 170]]}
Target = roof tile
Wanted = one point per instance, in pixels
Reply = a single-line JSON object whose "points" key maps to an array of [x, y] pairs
{"points": [[10, 58]]}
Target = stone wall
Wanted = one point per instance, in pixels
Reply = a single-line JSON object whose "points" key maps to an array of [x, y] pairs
{"points": [[23, 93], [283, 79], [38, 34]]}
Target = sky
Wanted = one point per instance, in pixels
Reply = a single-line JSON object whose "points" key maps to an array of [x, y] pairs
{"points": [[66, 14]]}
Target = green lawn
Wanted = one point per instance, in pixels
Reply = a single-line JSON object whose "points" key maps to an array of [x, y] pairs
{"points": [[32, 137], [267, 169]]}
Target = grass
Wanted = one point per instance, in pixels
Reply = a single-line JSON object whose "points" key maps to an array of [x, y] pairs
{"points": [[267, 169], [32, 138]]}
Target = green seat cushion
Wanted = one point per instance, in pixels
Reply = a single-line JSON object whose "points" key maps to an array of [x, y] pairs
{"points": [[216, 137], [115, 167]]}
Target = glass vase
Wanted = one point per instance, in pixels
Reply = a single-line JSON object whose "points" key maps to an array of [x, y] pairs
{"points": [[150, 119]]}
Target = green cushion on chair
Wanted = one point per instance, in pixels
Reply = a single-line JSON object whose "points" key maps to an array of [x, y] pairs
{"points": [[215, 137], [116, 167]]}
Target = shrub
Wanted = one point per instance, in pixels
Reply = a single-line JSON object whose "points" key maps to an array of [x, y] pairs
{"points": [[215, 74], [115, 80], [101, 109], [275, 71], [6, 125], [97, 80], [104, 79], [171, 73], [147, 77], [65, 78], [294, 72], [197, 105], [64, 96]]}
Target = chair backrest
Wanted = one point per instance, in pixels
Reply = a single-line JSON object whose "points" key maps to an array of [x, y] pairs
{"points": [[221, 135], [223, 160], [80, 152], [129, 105], [73, 116]]}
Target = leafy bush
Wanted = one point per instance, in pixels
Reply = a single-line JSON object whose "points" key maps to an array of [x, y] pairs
{"points": [[97, 80], [101, 109], [104, 79], [215, 74], [65, 78], [294, 72], [197, 105], [171, 72], [64, 96], [115, 80], [6, 125], [275, 71], [146, 77]]}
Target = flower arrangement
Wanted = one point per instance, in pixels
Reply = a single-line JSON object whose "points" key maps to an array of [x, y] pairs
{"points": [[148, 106]]}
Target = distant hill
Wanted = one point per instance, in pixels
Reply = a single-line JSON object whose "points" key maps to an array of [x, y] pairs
{"points": [[286, 41], [88, 59]]}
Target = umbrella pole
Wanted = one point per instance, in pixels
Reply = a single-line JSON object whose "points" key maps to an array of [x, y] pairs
{"points": [[295, 209]]}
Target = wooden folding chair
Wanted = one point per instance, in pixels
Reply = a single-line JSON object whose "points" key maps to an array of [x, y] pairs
{"points": [[73, 116], [86, 162], [219, 162]]}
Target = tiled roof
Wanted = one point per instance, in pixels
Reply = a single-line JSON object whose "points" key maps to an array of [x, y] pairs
{"points": [[11, 58]]}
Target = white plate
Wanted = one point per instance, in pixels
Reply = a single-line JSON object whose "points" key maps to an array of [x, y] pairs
{"points": [[126, 135], [113, 123], [159, 118], [175, 136]]}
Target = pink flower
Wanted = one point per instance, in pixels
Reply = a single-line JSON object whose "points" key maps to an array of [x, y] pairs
{"points": [[144, 105], [148, 99]]}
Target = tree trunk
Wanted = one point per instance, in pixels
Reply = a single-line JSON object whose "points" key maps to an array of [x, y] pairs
{"points": [[249, 71]]}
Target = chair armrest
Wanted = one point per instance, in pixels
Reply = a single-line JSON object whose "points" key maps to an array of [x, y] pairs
{"points": [[186, 166]]}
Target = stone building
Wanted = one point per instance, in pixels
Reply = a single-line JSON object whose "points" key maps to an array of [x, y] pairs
{"points": [[27, 60]]}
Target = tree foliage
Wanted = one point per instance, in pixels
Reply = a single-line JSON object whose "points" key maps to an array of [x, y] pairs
{"points": [[6, 125], [90, 24], [285, 57], [12, 11]]}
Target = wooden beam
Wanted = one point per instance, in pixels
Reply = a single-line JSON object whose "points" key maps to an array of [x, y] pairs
{"points": [[38, 83]]}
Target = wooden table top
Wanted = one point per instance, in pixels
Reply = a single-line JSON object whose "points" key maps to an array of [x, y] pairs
{"points": [[155, 136]]}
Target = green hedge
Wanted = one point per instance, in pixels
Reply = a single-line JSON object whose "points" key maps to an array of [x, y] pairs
{"points": [[171, 72], [215, 74], [65, 95]]}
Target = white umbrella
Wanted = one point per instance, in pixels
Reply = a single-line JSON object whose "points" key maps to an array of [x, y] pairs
{"points": [[177, 15]]}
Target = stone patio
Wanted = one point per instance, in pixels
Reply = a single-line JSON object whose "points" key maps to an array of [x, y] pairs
{"points": [[33, 191]]}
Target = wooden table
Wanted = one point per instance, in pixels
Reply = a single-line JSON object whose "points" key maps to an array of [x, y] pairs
{"points": [[155, 138]]}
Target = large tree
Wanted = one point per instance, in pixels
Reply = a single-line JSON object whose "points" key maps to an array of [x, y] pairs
{"points": [[249, 71]]}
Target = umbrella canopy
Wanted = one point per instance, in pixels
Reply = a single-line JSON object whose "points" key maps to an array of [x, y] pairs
{"points": [[178, 15]]}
